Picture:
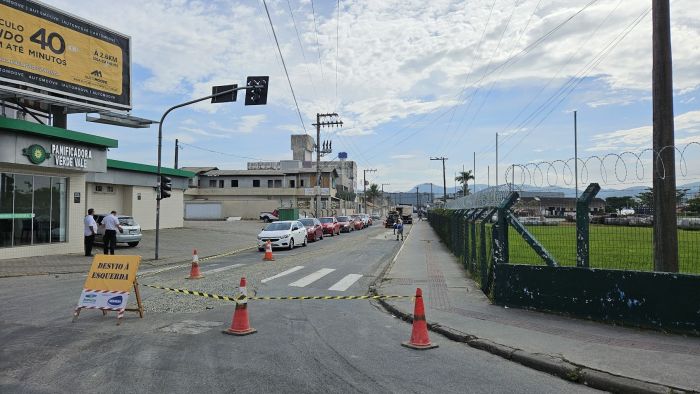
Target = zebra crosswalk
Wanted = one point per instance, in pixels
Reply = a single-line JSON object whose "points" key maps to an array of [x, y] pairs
{"points": [[341, 285]]}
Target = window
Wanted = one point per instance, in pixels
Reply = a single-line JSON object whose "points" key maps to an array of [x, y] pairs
{"points": [[269, 183], [234, 182], [256, 182], [278, 183], [301, 183], [212, 183], [32, 209], [221, 184], [291, 183], [104, 189]]}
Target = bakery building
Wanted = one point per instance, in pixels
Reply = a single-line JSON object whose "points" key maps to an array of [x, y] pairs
{"points": [[50, 176]]}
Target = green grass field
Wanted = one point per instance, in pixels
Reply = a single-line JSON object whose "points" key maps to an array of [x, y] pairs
{"points": [[615, 247]]}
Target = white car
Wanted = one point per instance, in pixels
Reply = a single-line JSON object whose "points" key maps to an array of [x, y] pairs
{"points": [[284, 234]]}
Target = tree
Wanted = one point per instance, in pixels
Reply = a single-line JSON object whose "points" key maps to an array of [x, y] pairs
{"points": [[464, 177], [613, 204], [694, 205], [346, 195], [646, 198], [373, 192]]}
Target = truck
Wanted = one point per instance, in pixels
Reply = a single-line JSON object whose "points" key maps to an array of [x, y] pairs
{"points": [[406, 212], [268, 217]]}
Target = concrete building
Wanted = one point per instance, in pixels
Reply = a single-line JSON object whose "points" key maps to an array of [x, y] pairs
{"points": [[552, 204], [49, 176], [266, 186]]}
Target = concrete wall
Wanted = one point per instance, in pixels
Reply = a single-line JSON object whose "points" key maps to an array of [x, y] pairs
{"points": [[659, 300]]}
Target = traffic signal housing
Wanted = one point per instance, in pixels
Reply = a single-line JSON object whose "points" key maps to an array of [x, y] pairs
{"points": [[258, 95], [166, 186]]}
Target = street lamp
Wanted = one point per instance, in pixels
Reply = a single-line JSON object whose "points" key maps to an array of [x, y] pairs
{"points": [[256, 94]]}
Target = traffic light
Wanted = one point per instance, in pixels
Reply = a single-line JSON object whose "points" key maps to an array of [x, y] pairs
{"points": [[166, 185], [256, 96]]}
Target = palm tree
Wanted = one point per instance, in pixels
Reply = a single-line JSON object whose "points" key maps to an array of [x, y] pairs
{"points": [[464, 177], [373, 192]]}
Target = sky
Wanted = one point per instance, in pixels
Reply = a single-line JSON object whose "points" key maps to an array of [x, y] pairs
{"points": [[411, 80]]}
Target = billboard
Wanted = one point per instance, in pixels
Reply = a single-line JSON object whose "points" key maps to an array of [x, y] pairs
{"points": [[47, 49]]}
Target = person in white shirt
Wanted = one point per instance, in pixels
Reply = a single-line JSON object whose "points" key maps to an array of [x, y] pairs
{"points": [[109, 239], [89, 231]]}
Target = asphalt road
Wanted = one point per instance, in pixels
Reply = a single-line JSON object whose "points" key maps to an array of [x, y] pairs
{"points": [[300, 346]]}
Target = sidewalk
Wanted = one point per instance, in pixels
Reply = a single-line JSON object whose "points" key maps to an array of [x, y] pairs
{"points": [[454, 303], [208, 237]]}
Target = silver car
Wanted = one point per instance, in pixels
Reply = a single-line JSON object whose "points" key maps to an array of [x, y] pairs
{"points": [[131, 234]]}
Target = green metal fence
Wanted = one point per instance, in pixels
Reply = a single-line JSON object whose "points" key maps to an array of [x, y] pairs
{"points": [[483, 235]]}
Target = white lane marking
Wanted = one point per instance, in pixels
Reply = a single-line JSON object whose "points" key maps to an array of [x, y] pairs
{"points": [[346, 282], [309, 279], [228, 267], [281, 274]]}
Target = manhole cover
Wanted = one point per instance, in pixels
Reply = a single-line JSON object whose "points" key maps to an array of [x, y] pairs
{"points": [[191, 327]]}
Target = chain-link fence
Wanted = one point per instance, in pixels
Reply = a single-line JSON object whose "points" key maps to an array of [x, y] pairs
{"points": [[590, 240]]}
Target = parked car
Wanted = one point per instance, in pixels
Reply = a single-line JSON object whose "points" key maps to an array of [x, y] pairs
{"points": [[314, 229], [357, 222], [365, 219], [369, 219], [284, 234], [131, 234], [346, 224], [330, 225], [376, 217], [269, 217]]}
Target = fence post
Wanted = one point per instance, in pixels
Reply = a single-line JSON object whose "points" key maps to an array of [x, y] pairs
{"points": [[583, 224], [501, 249]]}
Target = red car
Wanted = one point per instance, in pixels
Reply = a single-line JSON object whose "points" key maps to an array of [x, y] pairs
{"points": [[346, 224], [357, 222], [314, 229], [330, 226]]}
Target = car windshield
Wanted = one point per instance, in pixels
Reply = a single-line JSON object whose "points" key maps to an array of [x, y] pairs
{"points": [[307, 222], [277, 226], [127, 221], [326, 220], [343, 219]]}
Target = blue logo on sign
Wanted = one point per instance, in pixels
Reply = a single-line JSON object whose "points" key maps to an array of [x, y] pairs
{"points": [[90, 295], [90, 298], [115, 301]]}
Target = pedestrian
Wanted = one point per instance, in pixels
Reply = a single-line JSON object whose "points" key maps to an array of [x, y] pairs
{"points": [[109, 239], [399, 229], [89, 231]]}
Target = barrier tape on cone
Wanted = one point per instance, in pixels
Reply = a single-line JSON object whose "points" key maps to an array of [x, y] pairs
{"points": [[242, 298]]}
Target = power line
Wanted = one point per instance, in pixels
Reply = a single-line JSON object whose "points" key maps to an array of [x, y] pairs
{"points": [[301, 47], [285, 66], [318, 46], [573, 82], [221, 153]]}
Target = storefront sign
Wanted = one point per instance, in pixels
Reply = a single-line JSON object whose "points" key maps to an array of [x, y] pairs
{"points": [[36, 153], [45, 48], [109, 282], [52, 153], [70, 156]]}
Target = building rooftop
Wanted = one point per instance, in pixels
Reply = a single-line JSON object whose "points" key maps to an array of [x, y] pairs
{"points": [[129, 166], [21, 126]]}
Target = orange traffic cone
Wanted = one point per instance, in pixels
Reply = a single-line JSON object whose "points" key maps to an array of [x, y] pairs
{"points": [[240, 325], [268, 252], [419, 334], [194, 271]]}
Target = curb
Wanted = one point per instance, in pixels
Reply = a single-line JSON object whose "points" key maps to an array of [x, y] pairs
{"points": [[556, 366], [143, 262]]}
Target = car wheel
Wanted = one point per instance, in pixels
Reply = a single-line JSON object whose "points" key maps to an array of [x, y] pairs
{"points": [[133, 244], [267, 220], [305, 242], [291, 243]]}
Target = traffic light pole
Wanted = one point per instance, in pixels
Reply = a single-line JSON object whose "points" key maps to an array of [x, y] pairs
{"points": [[160, 146]]}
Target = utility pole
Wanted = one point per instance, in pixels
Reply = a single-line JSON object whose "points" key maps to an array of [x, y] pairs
{"points": [[322, 151], [177, 147], [665, 226], [432, 198], [364, 183], [417, 201], [474, 172], [383, 198], [496, 159], [444, 180], [576, 154]]}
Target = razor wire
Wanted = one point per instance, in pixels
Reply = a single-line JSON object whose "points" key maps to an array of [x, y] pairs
{"points": [[486, 198], [622, 167]]}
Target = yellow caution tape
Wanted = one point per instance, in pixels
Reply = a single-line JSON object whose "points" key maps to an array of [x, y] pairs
{"points": [[242, 299]]}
